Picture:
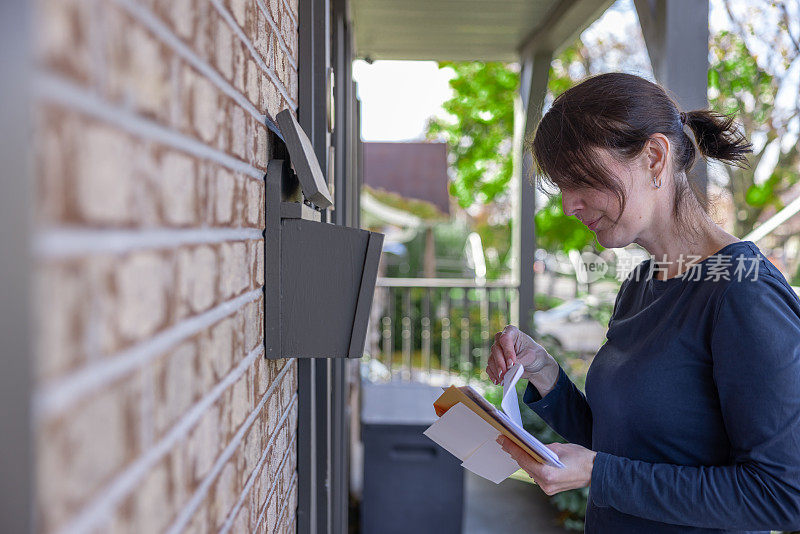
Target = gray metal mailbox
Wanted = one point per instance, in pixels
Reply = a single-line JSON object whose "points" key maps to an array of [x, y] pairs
{"points": [[319, 277]]}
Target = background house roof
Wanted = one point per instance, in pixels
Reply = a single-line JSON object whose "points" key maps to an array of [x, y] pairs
{"points": [[411, 169]]}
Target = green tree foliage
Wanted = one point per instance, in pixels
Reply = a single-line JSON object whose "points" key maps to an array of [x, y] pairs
{"points": [[497, 245], [738, 85], [479, 139], [556, 231], [480, 144]]}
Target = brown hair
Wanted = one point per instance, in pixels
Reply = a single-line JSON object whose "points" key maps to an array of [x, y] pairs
{"points": [[619, 112]]}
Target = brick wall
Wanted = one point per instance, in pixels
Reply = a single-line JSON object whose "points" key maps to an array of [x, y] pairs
{"points": [[154, 408]]}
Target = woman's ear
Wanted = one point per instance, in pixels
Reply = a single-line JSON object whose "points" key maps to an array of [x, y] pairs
{"points": [[657, 151]]}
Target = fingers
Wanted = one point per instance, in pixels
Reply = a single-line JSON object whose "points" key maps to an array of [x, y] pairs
{"points": [[555, 447], [491, 370], [551, 480], [502, 354], [523, 459], [496, 364], [506, 342], [519, 455]]}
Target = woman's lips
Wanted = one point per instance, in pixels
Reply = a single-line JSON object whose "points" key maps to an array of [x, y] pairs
{"points": [[592, 225]]}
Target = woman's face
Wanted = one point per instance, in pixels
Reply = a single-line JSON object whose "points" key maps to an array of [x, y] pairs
{"points": [[599, 208]]}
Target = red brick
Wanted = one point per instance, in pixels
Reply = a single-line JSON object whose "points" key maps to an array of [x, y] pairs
{"points": [[234, 273], [142, 280], [82, 450], [176, 385], [99, 172], [197, 278]]}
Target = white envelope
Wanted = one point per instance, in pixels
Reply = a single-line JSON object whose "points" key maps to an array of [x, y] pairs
{"points": [[465, 435], [460, 431], [509, 403], [491, 462]]}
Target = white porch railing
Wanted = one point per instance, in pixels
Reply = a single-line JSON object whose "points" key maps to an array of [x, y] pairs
{"points": [[436, 330]]}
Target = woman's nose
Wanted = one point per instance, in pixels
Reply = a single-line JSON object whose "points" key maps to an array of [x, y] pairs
{"points": [[570, 202]]}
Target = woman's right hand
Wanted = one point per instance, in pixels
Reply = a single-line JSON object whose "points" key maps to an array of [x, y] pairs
{"points": [[511, 345]]}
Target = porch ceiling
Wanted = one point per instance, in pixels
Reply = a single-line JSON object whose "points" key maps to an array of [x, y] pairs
{"points": [[464, 30]]}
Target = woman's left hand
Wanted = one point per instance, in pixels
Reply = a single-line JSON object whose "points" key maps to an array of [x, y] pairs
{"points": [[577, 473]]}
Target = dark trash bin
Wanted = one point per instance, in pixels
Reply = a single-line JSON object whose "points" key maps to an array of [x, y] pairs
{"points": [[411, 484]]}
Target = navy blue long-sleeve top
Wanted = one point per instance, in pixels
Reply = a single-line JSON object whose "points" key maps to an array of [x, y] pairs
{"points": [[692, 403]]}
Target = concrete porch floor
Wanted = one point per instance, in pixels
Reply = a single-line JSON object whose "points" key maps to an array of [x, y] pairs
{"points": [[511, 506]]}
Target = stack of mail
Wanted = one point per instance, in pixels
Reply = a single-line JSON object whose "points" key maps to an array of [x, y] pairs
{"points": [[469, 425]]}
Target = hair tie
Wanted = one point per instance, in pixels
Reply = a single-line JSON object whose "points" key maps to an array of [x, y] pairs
{"points": [[688, 130]]}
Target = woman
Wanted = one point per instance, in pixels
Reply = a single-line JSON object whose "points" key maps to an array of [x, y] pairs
{"points": [[691, 418]]}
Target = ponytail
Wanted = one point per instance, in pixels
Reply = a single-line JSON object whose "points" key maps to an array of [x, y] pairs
{"points": [[718, 137]]}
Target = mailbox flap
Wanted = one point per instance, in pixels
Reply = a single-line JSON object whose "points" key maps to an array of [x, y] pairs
{"points": [[304, 160], [325, 294]]}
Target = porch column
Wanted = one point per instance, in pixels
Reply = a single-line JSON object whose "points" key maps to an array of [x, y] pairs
{"points": [[533, 89], [17, 481], [314, 374], [676, 35]]}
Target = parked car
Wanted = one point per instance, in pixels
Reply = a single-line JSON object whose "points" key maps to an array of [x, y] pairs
{"points": [[572, 325]]}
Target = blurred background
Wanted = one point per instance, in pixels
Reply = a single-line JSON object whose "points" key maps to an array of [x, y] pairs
{"points": [[136, 137]]}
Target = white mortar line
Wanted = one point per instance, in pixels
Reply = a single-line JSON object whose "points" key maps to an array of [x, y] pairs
{"points": [[257, 57], [286, 502], [194, 503], [102, 508], [277, 31], [272, 489], [289, 11], [54, 88], [165, 34], [291, 524], [54, 398], [66, 241], [254, 475]]}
